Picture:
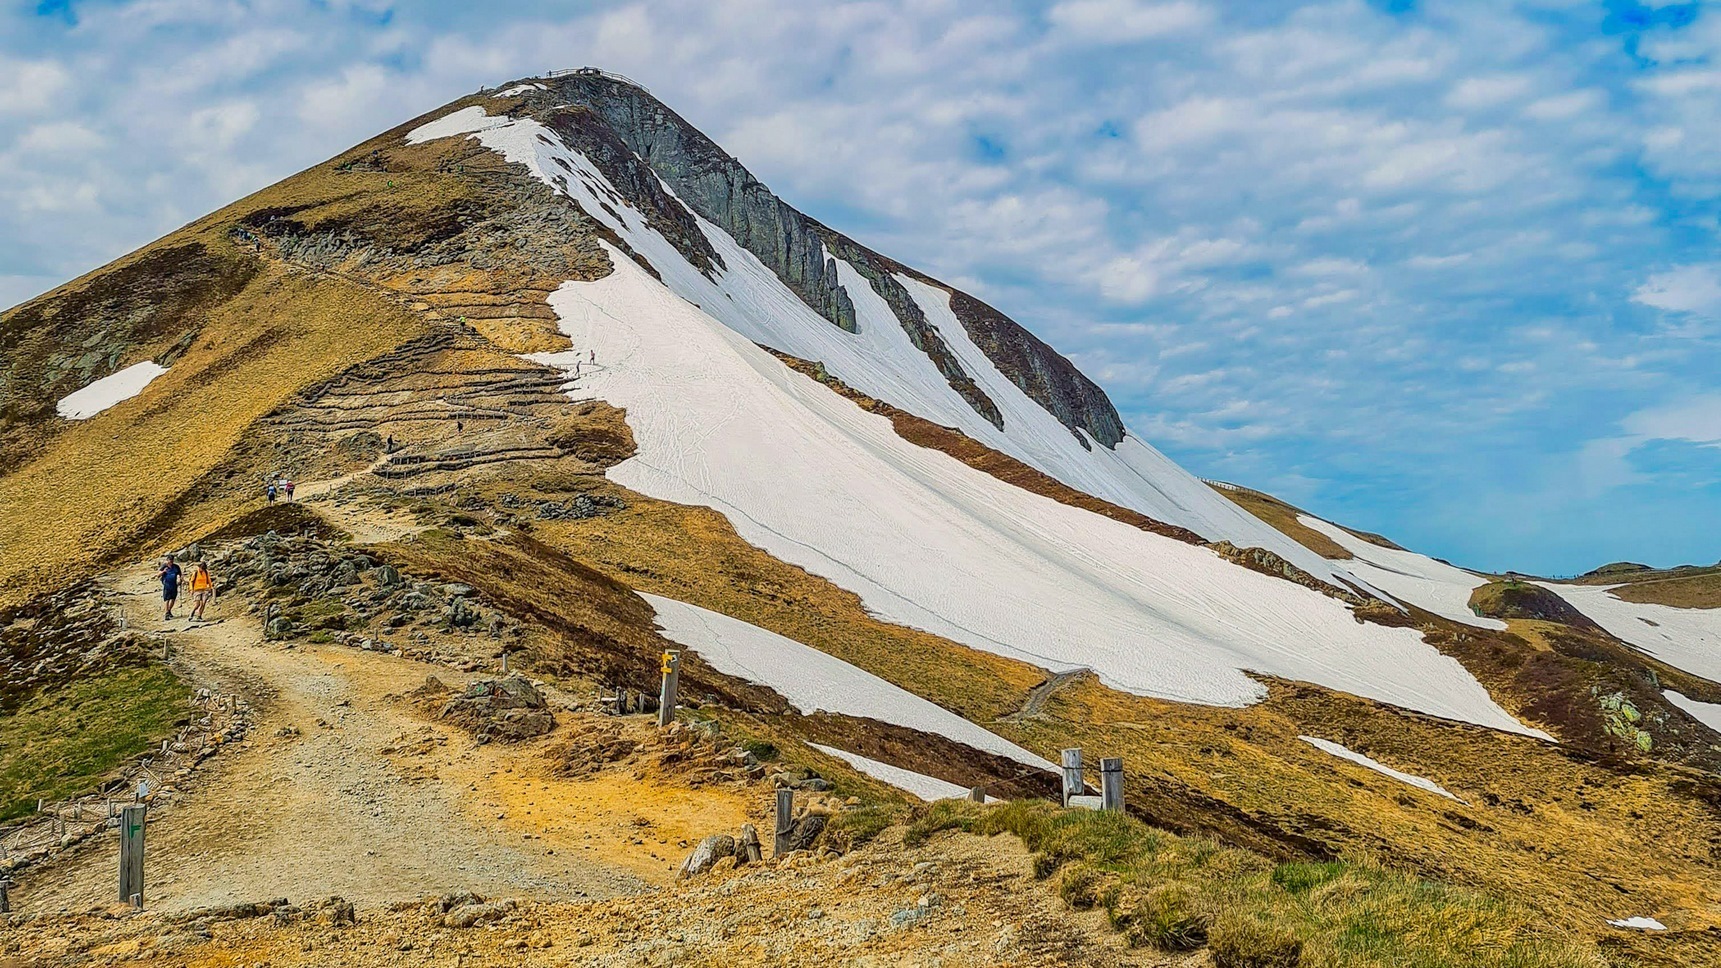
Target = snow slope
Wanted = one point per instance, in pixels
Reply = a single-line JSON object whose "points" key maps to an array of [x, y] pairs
{"points": [[923, 539], [880, 360], [109, 390], [1346, 753], [1707, 713], [1409, 577], [811, 680], [923, 786], [1685, 638]]}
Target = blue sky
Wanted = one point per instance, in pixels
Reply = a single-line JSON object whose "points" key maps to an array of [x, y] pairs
{"points": [[1447, 271]]}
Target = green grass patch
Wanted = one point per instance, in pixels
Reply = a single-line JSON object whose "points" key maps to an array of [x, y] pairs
{"points": [[1181, 893], [66, 739]]}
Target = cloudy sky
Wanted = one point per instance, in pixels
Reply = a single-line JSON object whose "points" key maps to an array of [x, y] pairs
{"points": [[1447, 271]]}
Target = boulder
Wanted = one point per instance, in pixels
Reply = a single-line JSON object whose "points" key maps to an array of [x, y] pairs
{"points": [[703, 857]]}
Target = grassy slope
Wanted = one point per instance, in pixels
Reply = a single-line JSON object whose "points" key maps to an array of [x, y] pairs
{"points": [[1689, 591], [1177, 894], [63, 740]]}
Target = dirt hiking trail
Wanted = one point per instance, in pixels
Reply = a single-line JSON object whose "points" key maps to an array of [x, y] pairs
{"points": [[341, 788]]}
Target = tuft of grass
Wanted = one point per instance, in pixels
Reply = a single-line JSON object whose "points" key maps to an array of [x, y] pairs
{"points": [[64, 740], [1177, 894], [852, 828]]}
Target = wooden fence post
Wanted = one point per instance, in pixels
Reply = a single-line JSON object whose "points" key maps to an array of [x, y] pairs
{"points": [[750, 851], [785, 821], [131, 855], [1111, 783], [1073, 786], [977, 794], [671, 680]]}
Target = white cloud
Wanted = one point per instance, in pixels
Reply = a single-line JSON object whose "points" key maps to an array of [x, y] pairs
{"points": [[31, 86], [1684, 289], [1126, 21]]}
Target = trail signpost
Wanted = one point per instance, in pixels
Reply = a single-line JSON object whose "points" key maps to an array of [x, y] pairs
{"points": [[671, 680], [131, 854]]}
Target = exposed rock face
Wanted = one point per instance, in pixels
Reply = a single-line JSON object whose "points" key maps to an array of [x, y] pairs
{"points": [[661, 144]]}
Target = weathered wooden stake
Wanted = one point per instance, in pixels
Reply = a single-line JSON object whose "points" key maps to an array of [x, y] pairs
{"points": [[1073, 786], [5, 895], [750, 851], [977, 794], [671, 680], [504, 661], [785, 821], [131, 855], [1111, 783]]}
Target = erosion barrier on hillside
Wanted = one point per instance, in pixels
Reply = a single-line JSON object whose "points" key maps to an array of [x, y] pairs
{"points": [[152, 779]]}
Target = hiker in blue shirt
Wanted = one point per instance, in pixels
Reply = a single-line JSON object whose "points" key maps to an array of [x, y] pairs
{"points": [[169, 576], [270, 490]]}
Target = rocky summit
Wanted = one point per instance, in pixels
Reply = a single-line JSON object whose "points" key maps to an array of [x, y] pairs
{"points": [[491, 426]]}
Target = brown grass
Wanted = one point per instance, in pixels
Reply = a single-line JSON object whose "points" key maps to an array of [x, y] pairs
{"points": [[1283, 517], [122, 482], [1692, 591]]}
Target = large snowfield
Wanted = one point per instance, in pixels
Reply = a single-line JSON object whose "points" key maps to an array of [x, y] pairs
{"points": [[923, 539], [109, 390], [1685, 638], [1408, 577]]}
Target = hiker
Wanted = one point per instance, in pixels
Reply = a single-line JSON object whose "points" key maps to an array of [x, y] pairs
{"points": [[594, 357], [169, 575], [289, 490], [459, 426], [202, 589], [270, 490], [390, 445]]}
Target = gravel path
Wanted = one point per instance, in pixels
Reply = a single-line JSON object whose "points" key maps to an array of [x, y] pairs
{"points": [[369, 799]]}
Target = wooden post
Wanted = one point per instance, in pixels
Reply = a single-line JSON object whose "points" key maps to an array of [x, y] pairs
{"points": [[1111, 783], [1073, 786], [131, 855], [977, 794], [671, 680], [785, 821], [5, 894], [504, 661], [750, 851]]}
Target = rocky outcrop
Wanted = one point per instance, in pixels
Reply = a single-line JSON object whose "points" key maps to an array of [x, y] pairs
{"points": [[718, 188], [505, 710]]}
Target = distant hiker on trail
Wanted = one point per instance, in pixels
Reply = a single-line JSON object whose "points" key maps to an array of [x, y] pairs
{"points": [[270, 490], [594, 357], [390, 445], [459, 426], [169, 575], [289, 490], [202, 589]]}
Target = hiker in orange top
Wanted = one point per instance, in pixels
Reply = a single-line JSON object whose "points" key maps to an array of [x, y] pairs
{"points": [[289, 490], [202, 589]]}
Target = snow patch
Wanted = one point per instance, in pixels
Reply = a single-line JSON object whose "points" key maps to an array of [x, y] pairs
{"points": [[469, 120], [1409, 577], [109, 390], [1707, 713], [925, 787], [1685, 638], [811, 680], [1344, 753], [520, 89], [1640, 924]]}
